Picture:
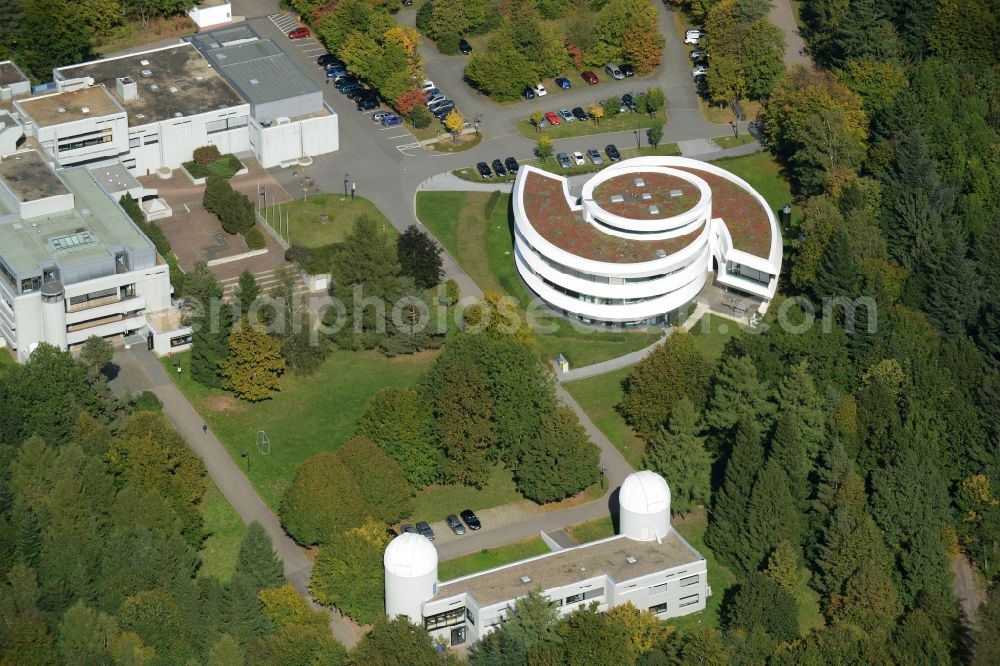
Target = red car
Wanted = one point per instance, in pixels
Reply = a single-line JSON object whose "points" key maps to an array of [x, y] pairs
{"points": [[299, 33], [589, 77], [553, 118]]}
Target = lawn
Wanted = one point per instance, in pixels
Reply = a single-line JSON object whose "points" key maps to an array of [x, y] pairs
{"points": [[437, 501], [733, 141], [449, 145], [592, 530], [310, 414], [711, 333], [225, 530], [719, 577], [158, 30], [7, 361], [483, 247], [305, 225], [623, 122], [598, 396], [490, 558], [226, 166]]}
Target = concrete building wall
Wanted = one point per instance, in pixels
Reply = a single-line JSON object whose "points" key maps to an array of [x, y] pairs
{"points": [[179, 137], [280, 144], [205, 16], [114, 127]]}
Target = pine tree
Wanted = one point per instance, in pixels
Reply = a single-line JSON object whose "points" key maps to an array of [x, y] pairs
{"points": [[28, 540], [678, 454], [833, 469], [786, 450], [247, 291], [244, 619], [951, 294], [728, 514], [257, 560], [797, 395], [419, 257], [736, 394], [783, 567], [771, 517], [838, 275], [986, 639], [211, 325]]}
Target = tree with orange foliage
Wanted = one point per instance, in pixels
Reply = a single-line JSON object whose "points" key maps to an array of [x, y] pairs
{"points": [[409, 101]]}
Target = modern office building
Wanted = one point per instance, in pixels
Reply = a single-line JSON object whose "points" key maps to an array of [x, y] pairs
{"points": [[647, 563], [642, 239], [72, 263]]}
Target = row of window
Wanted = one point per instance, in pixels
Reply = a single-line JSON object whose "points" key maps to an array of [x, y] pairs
{"points": [[449, 618], [747, 273], [577, 598], [681, 603], [662, 587]]}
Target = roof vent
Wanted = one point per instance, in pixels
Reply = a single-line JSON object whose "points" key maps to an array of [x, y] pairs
{"points": [[631, 560], [647, 195], [617, 198], [62, 109], [654, 210], [661, 253], [525, 579], [146, 73], [676, 193], [178, 114], [199, 78], [639, 182], [173, 89], [140, 115], [154, 87], [254, 82], [85, 109], [144, 62]]}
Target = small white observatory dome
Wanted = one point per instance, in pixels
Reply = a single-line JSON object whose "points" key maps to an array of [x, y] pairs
{"points": [[411, 562], [644, 506]]}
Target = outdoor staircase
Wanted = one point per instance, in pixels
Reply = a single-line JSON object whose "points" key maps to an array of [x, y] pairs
{"points": [[266, 280]]}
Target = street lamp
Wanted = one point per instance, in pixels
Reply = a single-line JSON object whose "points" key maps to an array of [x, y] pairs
{"points": [[347, 179], [736, 128], [477, 124], [604, 473], [638, 145], [245, 453]]}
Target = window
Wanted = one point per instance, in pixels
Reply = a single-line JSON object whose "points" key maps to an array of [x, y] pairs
{"points": [[446, 619], [180, 340], [150, 140], [659, 608], [133, 141], [31, 284], [215, 126], [688, 601], [128, 164], [590, 594], [690, 580], [658, 589], [92, 296], [574, 598], [468, 616]]}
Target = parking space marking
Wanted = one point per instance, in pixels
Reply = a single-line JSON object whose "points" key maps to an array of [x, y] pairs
{"points": [[399, 136]]}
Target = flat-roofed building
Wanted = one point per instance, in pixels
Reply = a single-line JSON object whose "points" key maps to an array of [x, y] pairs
{"points": [[211, 13], [648, 564], [72, 263], [13, 82]]}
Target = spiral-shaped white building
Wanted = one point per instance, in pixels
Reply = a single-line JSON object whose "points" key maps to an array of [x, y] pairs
{"points": [[642, 239]]}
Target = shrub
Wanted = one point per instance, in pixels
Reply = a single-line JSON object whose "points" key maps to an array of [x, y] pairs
{"points": [[384, 490], [255, 239], [448, 43], [206, 154], [420, 117], [147, 402], [133, 209], [322, 501], [313, 260]]}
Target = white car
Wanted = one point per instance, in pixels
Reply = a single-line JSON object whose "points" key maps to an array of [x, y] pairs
{"points": [[578, 158], [693, 35], [540, 90], [700, 70], [379, 115], [427, 85]]}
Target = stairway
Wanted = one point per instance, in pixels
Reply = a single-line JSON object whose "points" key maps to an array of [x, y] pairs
{"points": [[266, 280]]}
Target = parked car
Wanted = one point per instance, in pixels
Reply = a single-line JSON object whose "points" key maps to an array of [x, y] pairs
{"points": [[465, 47], [439, 103], [512, 167], [563, 159], [580, 113], [379, 115], [563, 83], [299, 32], [627, 70], [578, 158], [392, 120], [552, 118], [540, 90], [443, 110], [498, 169], [434, 91], [700, 70], [425, 529], [590, 78], [698, 54], [693, 35], [628, 101], [484, 170], [566, 115], [455, 524], [346, 81], [408, 529], [612, 152], [335, 73], [435, 99], [368, 103], [701, 80], [427, 85], [470, 518], [328, 59], [351, 88], [613, 71], [528, 93], [595, 156], [357, 93]]}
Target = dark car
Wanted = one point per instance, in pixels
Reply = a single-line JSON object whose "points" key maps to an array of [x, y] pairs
{"points": [[700, 79], [368, 103], [471, 519], [484, 170], [629, 101], [512, 165], [465, 47], [563, 83], [352, 88], [564, 160], [346, 81], [328, 59], [408, 529], [455, 524], [498, 168], [425, 529], [391, 120], [590, 77], [335, 72], [627, 70], [612, 152], [528, 93], [579, 113], [443, 110], [357, 93]]}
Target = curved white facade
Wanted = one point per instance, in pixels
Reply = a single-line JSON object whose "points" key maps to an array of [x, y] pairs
{"points": [[410, 563], [644, 506], [642, 239]]}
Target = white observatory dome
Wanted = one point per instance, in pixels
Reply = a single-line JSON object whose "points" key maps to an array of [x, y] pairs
{"points": [[644, 506], [410, 575]]}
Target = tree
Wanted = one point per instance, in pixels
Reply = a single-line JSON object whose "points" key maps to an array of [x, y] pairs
{"points": [[243, 617], [737, 393], [644, 630], [158, 619], [673, 371], [532, 622], [284, 607], [838, 275], [399, 420], [707, 646], [225, 652], [612, 107], [595, 638], [678, 454], [462, 423], [85, 634], [410, 101], [211, 325], [986, 639], [96, 353], [348, 572], [393, 642], [762, 59], [321, 481], [655, 134], [543, 149], [771, 517], [454, 122], [290, 322], [257, 560], [536, 118], [869, 600], [783, 567], [58, 36], [654, 100], [596, 112], [760, 602], [254, 366], [419, 257], [385, 494], [797, 396], [786, 451], [247, 291], [559, 461]]}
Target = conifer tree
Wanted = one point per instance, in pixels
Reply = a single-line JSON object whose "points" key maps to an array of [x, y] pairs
{"points": [[786, 450], [838, 275], [869, 600], [951, 293], [247, 291], [728, 514], [783, 566], [257, 560], [244, 620], [678, 454], [737, 393], [797, 395], [771, 517]]}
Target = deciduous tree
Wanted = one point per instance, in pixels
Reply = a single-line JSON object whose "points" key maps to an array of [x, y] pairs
{"points": [[385, 494], [321, 481], [559, 461], [254, 366], [419, 257], [399, 420], [348, 572]]}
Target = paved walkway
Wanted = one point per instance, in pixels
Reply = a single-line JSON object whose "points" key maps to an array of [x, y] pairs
{"points": [[141, 371], [449, 182], [783, 15]]}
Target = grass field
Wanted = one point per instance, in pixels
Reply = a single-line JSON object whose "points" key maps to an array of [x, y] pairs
{"points": [[306, 228], [483, 247], [711, 333], [623, 122], [764, 174], [592, 530], [437, 501], [309, 415], [598, 396], [225, 531], [490, 558], [226, 166], [733, 141]]}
